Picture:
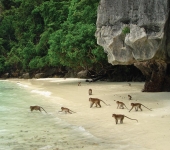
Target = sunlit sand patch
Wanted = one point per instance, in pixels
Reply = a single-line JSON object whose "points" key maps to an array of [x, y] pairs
{"points": [[22, 85], [44, 93]]}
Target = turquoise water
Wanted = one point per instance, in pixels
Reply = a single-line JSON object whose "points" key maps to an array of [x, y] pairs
{"points": [[21, 129]]}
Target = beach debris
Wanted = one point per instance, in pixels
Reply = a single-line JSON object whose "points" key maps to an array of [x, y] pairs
{"points": [[87, 80], [130, 97]]}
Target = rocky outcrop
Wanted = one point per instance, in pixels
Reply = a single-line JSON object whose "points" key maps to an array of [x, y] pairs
{"points": [[155, 73], [82, 74], [148, 21], [135, 31], [4, 76], [26, 76], [39, 75]]}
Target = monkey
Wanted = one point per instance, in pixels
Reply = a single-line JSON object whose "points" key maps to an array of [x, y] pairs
{"points": [[79, 83], [138, 105], [96, 101], [36, 108], [90, 91], [120, 105], [121, 117], [130, 97], [66, 110]]}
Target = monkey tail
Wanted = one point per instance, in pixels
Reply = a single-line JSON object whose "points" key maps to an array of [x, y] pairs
{"points": [[126, 107], [43, 109], [105, 103], [72, 111], [131, 118], [146, 107]]}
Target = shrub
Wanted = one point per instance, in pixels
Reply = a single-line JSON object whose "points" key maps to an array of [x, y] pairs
{"points": [[126, 30]]}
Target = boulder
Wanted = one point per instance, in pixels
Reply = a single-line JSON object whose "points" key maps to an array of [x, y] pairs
{"points": [[39, 75], [82, 74], [6, 75], [26, 76]]}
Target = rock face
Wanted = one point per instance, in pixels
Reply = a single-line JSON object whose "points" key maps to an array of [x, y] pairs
{"points": [[156, 77], [137, 32], [148, 21]]}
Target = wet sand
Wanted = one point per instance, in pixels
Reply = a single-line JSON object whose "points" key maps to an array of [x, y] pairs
{"points": [[152, 132]]}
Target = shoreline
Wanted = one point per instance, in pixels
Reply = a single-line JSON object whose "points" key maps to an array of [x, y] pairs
{"points": [[150, 133]]}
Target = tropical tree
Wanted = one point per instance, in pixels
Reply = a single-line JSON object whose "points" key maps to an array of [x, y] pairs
{"points": [[48, 33]]}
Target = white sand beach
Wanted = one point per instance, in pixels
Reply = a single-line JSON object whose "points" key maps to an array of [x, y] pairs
{"points": [[152, 132]]}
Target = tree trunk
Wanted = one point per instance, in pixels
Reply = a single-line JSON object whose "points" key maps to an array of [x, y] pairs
{"points": [[156, 77]]}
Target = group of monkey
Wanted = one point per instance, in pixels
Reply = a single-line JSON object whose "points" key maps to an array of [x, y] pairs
{"points": [[96, 101], [120, 105]]}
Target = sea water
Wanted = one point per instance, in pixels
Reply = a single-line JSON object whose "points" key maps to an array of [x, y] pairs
{"points": [[21, 129]]}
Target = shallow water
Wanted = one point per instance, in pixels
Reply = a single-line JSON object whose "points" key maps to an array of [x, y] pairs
{"points": [[21, 129]]}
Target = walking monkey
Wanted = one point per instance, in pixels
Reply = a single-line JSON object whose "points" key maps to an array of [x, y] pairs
{"points": [[121, 117], [36, 108], [96, 101], [138, 105], [66, 110], [120, 105]]}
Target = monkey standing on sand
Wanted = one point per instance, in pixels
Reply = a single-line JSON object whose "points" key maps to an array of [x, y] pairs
{"points": [[120, 105], [90, 91], [138, 105], [96, 101], [121, 117], [66, 110], [36, 108]]}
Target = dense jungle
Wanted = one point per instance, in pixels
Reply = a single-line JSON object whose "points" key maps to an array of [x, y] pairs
{"points": [[56, 39]]}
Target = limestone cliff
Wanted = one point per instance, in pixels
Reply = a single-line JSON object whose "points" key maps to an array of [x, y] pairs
{"points": [[149, 37], [137, 32]]}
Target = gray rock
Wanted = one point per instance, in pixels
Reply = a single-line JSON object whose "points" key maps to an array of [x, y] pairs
{"points": [[82, 74], [26, 76], [40, 75], [148, 21], [6, 75]]}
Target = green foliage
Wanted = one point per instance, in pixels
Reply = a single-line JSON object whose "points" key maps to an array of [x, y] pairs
{"points": [[126, 30], [12, 59], [38, 62], [75, 40], [43, 33], [2, 64]]}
